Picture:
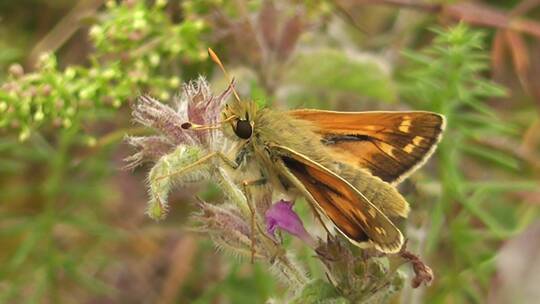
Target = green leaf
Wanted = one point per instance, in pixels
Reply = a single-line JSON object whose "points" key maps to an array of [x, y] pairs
{"points": [[26, 248], [319, 291], [333, 71], [494, 156]]}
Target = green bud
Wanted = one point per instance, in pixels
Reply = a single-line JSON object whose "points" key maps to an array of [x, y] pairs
{"points": [[139, 24], [116, 103], [91, 141], [174, 82], [108, 73], [38, 116], [96, 32], [165, 95], [138, 15], [110, 4], [154, 59], [47, 61], [70, 111], [24, 135], [86, 93], [161, 3], [198, 24], [70, 73], [66, 123], [176, 48]]}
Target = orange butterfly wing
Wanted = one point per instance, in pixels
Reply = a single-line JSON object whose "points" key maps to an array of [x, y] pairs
{"points": [[349, 210], [391, 145]]}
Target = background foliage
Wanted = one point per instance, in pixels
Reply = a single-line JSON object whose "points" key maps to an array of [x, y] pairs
{"points": [[72, 223]]}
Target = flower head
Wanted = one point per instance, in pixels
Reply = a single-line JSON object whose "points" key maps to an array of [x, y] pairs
{"points": [[196, 104], [282, 216]]}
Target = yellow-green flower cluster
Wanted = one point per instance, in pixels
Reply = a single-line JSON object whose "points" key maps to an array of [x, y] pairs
{"points": [[137, 47]]}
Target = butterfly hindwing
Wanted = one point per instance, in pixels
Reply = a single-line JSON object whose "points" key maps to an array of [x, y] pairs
{"points": [[350, 211], [391, 145]]}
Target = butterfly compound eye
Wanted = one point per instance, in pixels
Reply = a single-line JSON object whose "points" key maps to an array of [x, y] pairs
{"points": [[243, 129]]}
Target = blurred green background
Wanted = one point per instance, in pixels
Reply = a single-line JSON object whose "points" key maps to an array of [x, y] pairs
{"points": [[72, 222]]}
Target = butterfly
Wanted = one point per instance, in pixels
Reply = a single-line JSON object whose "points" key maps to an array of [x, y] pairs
{"points": [[346, 164]]}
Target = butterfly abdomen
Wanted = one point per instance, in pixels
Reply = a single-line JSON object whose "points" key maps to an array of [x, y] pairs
{"points": [[381, 194]]}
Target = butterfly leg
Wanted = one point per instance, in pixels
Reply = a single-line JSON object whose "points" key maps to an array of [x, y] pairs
{"points": [[245, 185], [319, 218]]}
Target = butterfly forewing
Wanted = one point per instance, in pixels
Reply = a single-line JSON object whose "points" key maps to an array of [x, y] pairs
{"points": [[354, 216], [391, 145]]}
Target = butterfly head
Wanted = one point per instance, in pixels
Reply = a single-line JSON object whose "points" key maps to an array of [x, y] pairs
{"points": [[240, 116]]}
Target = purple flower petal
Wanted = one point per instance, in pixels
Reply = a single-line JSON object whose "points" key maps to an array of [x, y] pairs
{"points": [[201, 106], [198, 96], [282, 216]]}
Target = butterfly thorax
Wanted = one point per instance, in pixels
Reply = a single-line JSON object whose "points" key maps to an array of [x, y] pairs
{"points": [[278, 128]]}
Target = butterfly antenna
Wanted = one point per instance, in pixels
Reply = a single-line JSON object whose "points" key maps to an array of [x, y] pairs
{"points": [[193, 126], [215, 58]]}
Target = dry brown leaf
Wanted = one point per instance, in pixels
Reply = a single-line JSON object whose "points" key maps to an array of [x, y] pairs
{"points": [[267, 23]]}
